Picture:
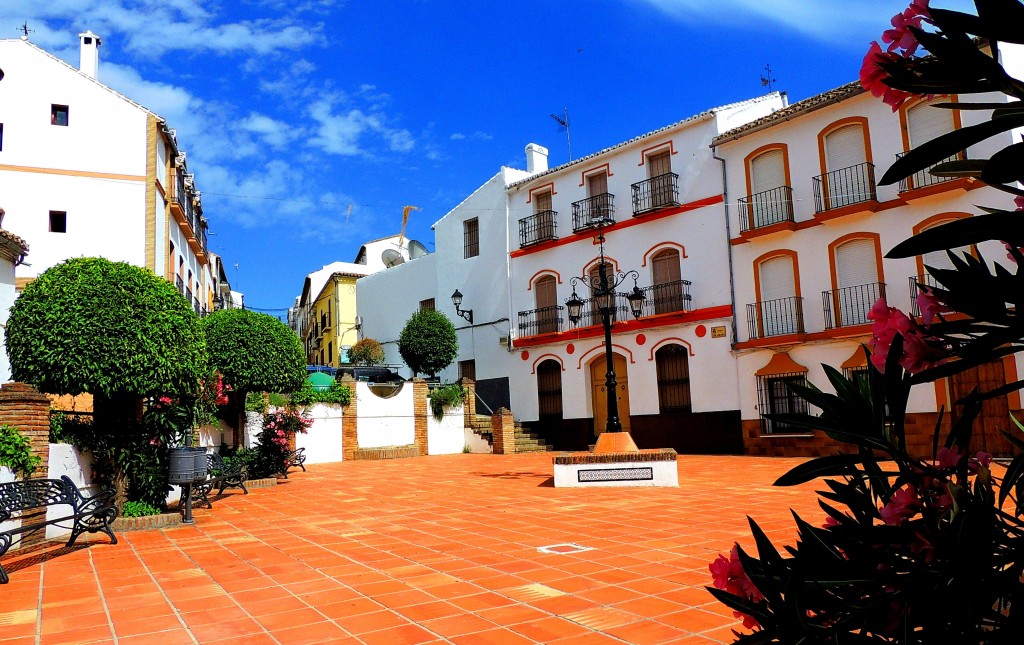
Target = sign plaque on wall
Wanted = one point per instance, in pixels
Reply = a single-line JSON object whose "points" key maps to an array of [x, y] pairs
{"points": [[718, 332]]}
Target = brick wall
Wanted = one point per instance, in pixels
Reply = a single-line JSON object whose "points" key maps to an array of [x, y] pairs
{"points": [[420, 410], [920, 428], [469, 406], [350, 422], [503, 426]]}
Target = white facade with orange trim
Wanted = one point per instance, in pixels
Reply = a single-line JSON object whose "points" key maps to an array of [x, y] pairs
{"points": [[86, 171], [809, 228]]}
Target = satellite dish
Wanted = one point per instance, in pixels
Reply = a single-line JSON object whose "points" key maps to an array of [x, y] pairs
{"points": [[391, 258], [416, 249]]}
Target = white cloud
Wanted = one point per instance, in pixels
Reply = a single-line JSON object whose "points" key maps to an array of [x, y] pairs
{"points": [[457, 136], [342, 133], [276, 134]]}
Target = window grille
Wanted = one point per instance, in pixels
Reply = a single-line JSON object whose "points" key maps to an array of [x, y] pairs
{"points": [[775, 397], [471, 238]]}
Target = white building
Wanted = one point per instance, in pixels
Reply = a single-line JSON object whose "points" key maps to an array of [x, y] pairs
{"points": [[86, 171], [13, 250], [809, 228]]}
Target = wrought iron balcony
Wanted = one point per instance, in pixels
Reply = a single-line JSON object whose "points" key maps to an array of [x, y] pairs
{"points": [[850, 305], [654, 193], [546, 320], [928, 281], [537, 228], [592, 211], [766, 208], [845, 186], [179, 283], [188, 295], [775, 317], [665, 298], [924, 178], [195, 305], [590, 314]]}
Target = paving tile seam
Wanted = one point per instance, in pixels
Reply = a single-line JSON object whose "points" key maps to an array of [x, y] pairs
{"points": [[102, 596], [39, 604]]}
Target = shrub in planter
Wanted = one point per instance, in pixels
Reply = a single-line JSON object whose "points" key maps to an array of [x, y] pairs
{"points": [[268, 458], [16, 452], [138, 509], [446, 395]]}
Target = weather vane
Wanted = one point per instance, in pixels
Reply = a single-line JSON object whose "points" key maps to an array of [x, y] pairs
{"points": [[25, 31], [766, 78]]}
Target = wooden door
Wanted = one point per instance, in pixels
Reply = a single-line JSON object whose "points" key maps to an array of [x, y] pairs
{"points": [[598, 371], [995, 413], [658, 168]]}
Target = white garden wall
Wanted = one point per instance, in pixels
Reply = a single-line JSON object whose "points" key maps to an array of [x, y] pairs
{"points": [[385, 421], [323, 440], [446, 436]]}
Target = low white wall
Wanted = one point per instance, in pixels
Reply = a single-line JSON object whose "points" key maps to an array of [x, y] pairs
{"points": [[385, 421], [253, 427], [323, 440], [65, 459], [476, 444], [446, 436], [215, 435], [7, 476]]}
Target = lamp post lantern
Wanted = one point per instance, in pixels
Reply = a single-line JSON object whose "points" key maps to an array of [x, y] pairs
{"points": [[604, 296]]}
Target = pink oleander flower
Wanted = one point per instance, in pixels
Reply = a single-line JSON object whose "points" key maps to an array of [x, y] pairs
{"points": [[900, 37], [872, 77], [830, 522], [903, 505], [919, 352], [948, 457], [984, 459], [164, 400], [1018, 202], [728, 574], [929, 305]]}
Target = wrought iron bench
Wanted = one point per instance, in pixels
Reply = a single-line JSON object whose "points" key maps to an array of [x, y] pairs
{"points": [[221, 475], [90, 514], [294, 458]]}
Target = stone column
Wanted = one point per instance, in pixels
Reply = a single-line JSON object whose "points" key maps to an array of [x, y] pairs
{"points": [[350, 421], [469, 405], [503, 426], [420, 410], [23, 407]]}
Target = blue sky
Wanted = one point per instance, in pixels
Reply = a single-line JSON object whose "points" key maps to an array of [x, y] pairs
{"points": [[291, 110]]}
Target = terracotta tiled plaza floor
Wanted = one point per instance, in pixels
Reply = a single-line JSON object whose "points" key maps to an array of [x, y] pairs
{"points": [[425, 550]]}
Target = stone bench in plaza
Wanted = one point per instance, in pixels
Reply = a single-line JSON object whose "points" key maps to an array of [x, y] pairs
{"points": [[616, 461]]}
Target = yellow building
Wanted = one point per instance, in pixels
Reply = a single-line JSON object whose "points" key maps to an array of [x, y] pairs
{"points": [[328, 323]]}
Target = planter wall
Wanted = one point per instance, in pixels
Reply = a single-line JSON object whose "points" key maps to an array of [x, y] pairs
{"points": [[323, 440], [385, 421], [446, 436]]}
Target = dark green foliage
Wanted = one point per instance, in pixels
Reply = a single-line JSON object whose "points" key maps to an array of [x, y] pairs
{"points": [[254, 352], [138, 509], [16, 452], [337, 394], [445, 395], [108, 328], [268, 457], [428, 342], [255, 402]]}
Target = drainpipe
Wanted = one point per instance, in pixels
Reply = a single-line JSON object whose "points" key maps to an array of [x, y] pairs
{"points": [[728, 241], [508, 262]]}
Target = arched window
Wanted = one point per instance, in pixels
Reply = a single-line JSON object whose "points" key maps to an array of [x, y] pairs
{"points": [[547, 304], [779, 309], [549, 389], [667, 290], [858, 284], [924, 123], [849, 178], [673, 367]]}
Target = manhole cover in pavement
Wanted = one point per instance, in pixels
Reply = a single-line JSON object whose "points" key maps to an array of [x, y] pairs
{"points": [[569, 547]]}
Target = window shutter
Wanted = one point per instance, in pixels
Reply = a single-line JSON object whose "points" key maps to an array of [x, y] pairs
{"points": [[844, 147], [666, 267], [856, 264], [767, 171], [597, 184], [777, 280], [542, 202], [659, 164], [925, 122], [939, 259], [546, 292]]}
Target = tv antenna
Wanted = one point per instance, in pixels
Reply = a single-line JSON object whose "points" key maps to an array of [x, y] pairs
{"points": [[25, 31], [563, 124], [766, 78]]}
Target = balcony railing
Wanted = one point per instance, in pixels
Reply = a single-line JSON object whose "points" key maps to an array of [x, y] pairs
{"points": [[775, 317], [539, 227], [179, 283], [850, 305], [593, 211], [928, 281], [845, 186], [195, 305], [665, 298], [188, 295], [546, 320], [654, 193], [923, 178], [590, 314], [766, 208]]}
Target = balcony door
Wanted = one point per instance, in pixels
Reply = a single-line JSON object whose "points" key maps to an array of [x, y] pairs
{"points": [[778, 309], [845, 156], [925, 123], [668, 288], [545, 223], [659, 167], [767, 173], [597, 191], [547, 304], [856, 281], [595, 285]]}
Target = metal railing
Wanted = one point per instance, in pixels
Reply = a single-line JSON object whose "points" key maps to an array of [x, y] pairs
{"points": [[545, 320], [850, 305], [654, 193], [592, 211], [188, 295], [539, 227], [665, 298], [195, 305], [844, 187], [766, 208], [923, 178], [590, 314], [928, 281], [179, 283], [775, 317]]}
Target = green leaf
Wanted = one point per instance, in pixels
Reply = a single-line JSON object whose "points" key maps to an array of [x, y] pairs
{"points": [[1003, 225], [1001, 20], [829, 466], [959, 168], [947, 145], [1005, 166]]}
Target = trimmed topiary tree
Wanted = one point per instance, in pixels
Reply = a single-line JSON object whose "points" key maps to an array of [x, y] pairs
{"points": [[366, 352], [254, 352], [113, 330], [428, 342]]}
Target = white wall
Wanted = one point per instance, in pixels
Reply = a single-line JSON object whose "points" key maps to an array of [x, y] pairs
{"points": [[447, 435], [7, 297], [65, 459], [323, 439], [385, 421]]}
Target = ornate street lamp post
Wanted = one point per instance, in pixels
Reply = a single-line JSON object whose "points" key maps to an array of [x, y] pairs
{"points": [[604, 297]]}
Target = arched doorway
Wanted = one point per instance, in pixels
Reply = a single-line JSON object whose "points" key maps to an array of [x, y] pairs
{"points": [[598, 371], [549, 390]]}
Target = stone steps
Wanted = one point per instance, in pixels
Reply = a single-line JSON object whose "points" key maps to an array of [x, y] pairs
{"points": [[525, 441]]}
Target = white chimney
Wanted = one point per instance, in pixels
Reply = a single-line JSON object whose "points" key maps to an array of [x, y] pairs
{"points": [[89, 60], [536, 158]]}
